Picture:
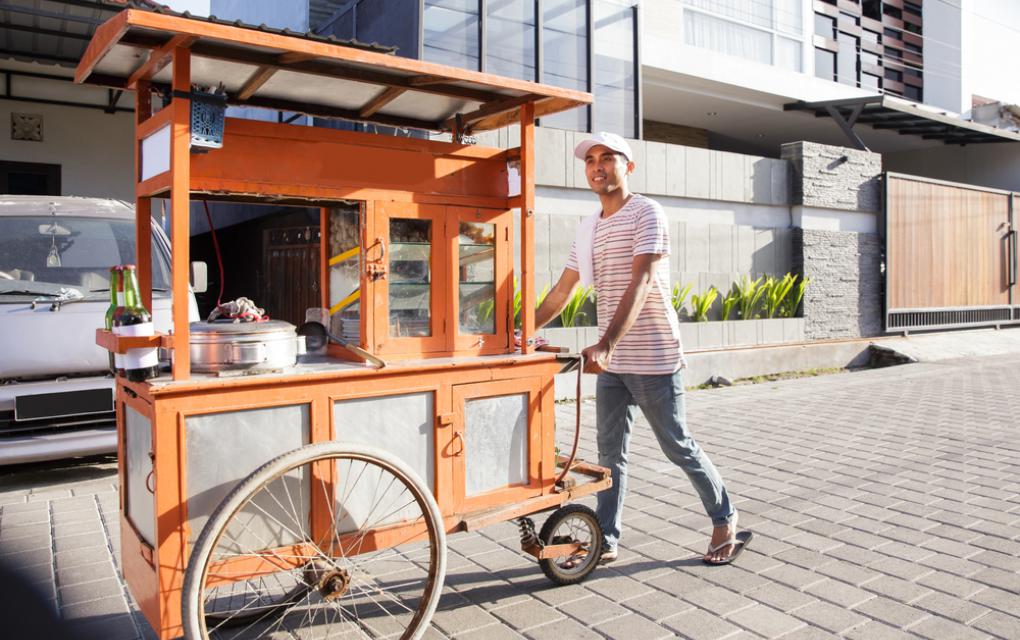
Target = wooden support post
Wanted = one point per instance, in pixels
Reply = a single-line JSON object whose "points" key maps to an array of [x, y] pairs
{"points": [[180, 208], [143, 205], [527, 227]]}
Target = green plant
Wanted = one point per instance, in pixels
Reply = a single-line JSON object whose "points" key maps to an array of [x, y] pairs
{"points": [[572, 312], [750, 293], [517, 301], [775, 292], [730, 301], [703, 303], [792, 302], [679, 296]]}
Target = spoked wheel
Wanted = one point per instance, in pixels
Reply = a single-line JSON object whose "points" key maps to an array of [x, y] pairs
{"points": [[573, 524], [330, 540]]}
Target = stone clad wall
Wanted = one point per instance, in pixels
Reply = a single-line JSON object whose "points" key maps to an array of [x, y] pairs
{"points": [[834, 177], [836, 185], [844, 298]]}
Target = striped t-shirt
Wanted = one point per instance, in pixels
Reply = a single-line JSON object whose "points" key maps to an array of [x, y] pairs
{"points": [[652, 345]]}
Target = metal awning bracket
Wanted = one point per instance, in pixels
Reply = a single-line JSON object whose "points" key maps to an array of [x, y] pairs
{"points": [[847, 124]]}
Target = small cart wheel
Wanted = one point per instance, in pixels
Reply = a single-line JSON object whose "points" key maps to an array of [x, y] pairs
{"points": [[572, 524], [327, 539]]}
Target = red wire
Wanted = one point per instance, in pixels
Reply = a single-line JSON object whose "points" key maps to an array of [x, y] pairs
{"points": [[216, 247]]}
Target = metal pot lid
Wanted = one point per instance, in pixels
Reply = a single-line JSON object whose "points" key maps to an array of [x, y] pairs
{"points": [[242, 328]]}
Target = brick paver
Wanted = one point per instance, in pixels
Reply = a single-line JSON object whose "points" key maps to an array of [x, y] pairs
{"points": [[886, 504]]}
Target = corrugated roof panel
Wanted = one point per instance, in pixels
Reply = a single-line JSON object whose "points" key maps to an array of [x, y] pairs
{"points": [[288, 72], [331, 92]]}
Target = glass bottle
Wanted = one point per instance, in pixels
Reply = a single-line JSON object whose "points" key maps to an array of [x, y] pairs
{"points": [[116, 300], [133, 320]]}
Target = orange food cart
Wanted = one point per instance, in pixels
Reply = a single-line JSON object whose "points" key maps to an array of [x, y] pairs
{"points": [[315, 499]]}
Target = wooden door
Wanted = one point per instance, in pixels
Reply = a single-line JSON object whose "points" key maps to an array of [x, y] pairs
{"points": [[291, 283]]}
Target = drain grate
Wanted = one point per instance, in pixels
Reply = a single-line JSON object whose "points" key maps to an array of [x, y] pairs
{"points": [[908, 319]]}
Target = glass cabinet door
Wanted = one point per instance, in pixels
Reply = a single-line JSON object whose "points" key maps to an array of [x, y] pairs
{"points": [[410, 292], [482, 283]]}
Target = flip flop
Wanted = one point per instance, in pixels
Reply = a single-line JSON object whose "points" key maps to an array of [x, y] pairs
{"points": [[739, 542]]}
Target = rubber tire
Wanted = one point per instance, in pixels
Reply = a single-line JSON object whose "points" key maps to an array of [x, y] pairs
{"points": [[549, 567], [191, 595]]}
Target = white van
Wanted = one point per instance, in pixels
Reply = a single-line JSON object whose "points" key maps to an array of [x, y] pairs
{"points": [[56, 392]]}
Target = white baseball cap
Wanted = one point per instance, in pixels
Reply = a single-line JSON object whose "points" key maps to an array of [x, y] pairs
{"points": [[611, 140]]}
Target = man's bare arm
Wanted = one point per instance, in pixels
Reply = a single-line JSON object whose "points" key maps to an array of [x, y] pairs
{"points": [[557, 298], [642, 270]]}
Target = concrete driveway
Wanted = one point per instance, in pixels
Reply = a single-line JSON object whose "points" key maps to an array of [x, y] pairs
{"points": [[885, 505]]}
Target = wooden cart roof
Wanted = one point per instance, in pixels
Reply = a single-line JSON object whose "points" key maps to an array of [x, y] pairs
{"points": [[307, 75]]}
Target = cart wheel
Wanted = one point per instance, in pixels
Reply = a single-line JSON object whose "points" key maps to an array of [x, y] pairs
{"points": [[573, 523], [327, 539]]}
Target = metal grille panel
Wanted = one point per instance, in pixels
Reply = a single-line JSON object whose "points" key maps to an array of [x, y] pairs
{"points": [[917, 319]]}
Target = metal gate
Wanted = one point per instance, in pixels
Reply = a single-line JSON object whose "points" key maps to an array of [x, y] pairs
{"points": [[951, 255]]}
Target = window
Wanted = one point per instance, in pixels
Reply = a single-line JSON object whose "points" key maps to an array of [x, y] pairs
{"points": [[615, 72], [869, 81], [893, 74], [846, 60], [451, 33], [565, 56], [825, 64], [510, 39], [825, 26], [29, 178], [912, 93], [765, 31]]}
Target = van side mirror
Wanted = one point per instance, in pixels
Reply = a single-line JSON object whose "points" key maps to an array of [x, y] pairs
{"points": [[199, 277]]}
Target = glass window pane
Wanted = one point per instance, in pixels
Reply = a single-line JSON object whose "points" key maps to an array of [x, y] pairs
{"points": [[756, 12], [846, 60], [727, 37], [565, 56], [615, 77], [825, 64], [825, 26], [345, 275], [451, 32], [788, 54], [510, 39], [788, 17], [869, 81], [477, 277], [410, 277]]}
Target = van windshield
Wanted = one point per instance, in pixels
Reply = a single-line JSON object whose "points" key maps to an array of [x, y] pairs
{"points": [[69, 256]]}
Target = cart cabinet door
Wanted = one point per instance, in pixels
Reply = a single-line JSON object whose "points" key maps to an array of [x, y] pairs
{"points": [[138, 482], [498, 442], [481, 279], [408, 268]]}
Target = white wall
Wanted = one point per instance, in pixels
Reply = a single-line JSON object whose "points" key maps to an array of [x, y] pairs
{"points": [[991, 49], [93, 148], [943, 55], [988, 165], [662, 42]]}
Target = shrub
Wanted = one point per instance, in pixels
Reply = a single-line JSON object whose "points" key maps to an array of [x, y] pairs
{"points": [[517, 301], [730, 301], [792, 302], [679, 296], [572, 312], [703, 303], [750, 293], [775, 292]]}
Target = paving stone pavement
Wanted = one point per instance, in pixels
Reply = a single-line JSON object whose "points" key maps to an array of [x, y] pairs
{"points": [[885, 503]]}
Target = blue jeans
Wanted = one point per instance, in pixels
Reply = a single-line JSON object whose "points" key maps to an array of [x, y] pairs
{"points": [[661, 400]]}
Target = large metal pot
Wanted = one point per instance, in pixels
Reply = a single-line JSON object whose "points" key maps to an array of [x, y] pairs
{"points": [[223, 346]]}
